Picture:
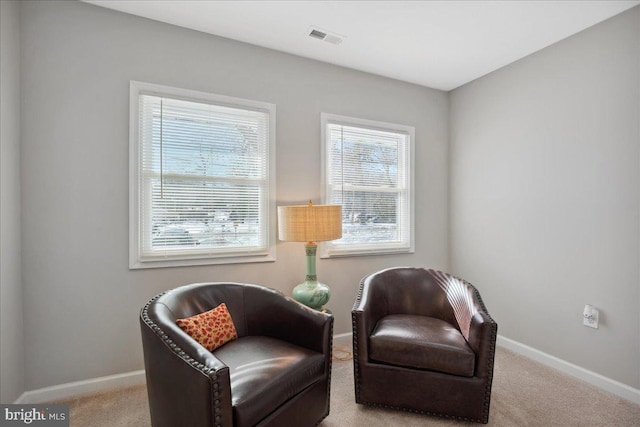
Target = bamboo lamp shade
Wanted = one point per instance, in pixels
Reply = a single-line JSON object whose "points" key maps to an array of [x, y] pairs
{"points": [[309, 223]]}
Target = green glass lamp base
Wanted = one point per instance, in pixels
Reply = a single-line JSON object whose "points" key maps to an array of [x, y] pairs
{"points": [[312, 294]]}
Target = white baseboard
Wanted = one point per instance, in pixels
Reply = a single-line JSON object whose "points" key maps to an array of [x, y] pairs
{"points": [[600, 381], [111, 382], [80, 388]]}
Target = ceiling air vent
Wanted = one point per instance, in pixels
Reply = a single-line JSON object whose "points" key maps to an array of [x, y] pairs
{"points": [[326, 36], [317, 34]]}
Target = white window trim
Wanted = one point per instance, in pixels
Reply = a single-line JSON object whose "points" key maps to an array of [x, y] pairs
{"points": [[327, 118], [135, 262]]}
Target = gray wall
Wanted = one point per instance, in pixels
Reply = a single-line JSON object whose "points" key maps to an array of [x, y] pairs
{"points": [[11, 324], [81, 299], [545, 196]]}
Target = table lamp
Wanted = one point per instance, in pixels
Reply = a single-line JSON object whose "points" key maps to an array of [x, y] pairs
{"points": [[310, 223]]}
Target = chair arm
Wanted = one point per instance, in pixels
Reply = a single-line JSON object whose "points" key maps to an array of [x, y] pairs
{"points": [[186, 383], [474, 321], [482, 340], [369, 307], [270, 313]]}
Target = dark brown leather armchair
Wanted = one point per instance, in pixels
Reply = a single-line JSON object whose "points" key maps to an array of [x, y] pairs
{"points": [[277, 373], [424, 342]]}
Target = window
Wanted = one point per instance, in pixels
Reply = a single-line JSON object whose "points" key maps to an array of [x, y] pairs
{"points": [[368, 169], [202, 178]]}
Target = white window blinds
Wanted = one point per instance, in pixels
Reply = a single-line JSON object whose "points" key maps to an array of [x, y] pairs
{"points": [[203, 179], [368, 171]]}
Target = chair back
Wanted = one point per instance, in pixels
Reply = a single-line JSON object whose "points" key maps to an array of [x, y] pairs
{"points": [[418, 291]]}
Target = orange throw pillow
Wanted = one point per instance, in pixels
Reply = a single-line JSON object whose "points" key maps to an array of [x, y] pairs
{"points": [[212, 328]]}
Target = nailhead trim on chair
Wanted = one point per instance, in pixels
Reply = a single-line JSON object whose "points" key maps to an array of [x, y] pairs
{"points": [[210, 372], [329, 377], [356, 366], [490, 362]]}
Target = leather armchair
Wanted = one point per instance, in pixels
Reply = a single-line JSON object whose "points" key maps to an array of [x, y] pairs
{"points": [[424, 342], [276, 373]]}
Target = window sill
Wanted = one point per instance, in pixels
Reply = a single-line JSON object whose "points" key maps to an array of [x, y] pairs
{"points": [[136, 264], [367, 252]]}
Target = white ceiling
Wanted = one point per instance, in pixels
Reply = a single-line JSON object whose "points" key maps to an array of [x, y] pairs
{"points": [[440, 44]]}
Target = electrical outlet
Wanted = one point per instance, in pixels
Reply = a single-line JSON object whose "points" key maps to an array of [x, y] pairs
{"points": [[590, 316]]}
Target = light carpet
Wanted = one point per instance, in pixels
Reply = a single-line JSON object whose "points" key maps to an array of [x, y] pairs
{"points": [[524, 393]]}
